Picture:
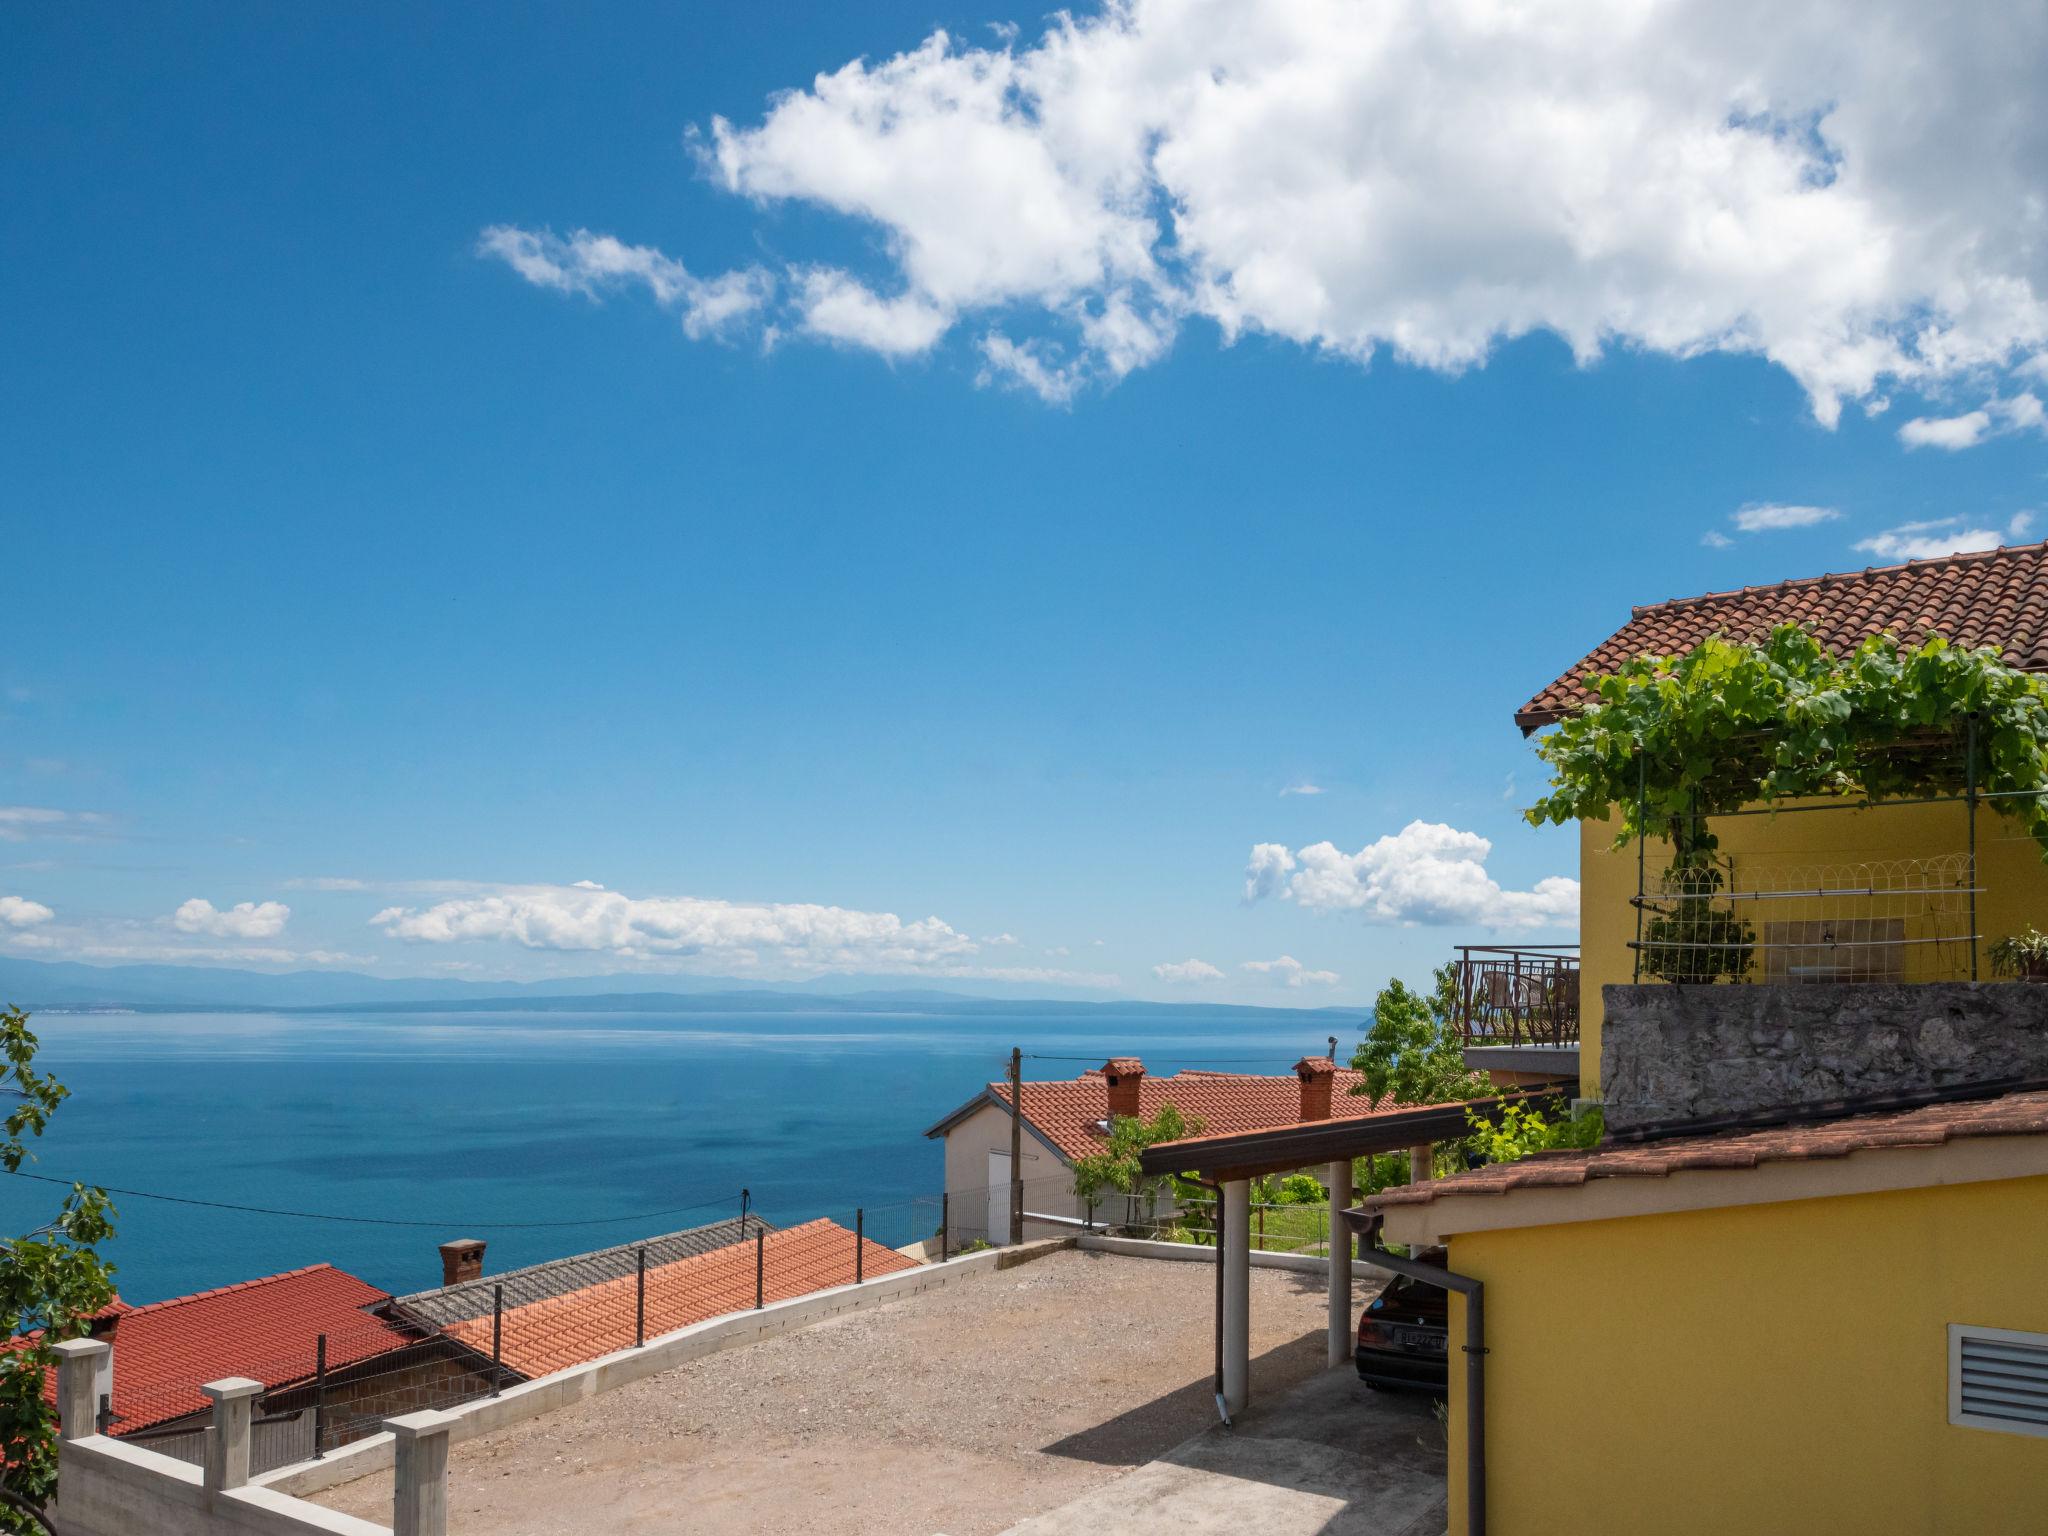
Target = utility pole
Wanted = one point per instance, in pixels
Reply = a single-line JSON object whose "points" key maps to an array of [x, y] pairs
{"points": [[1016, 1144]]}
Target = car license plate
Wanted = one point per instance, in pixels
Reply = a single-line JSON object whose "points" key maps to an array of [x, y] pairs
{"points": [[1420, 1341]]}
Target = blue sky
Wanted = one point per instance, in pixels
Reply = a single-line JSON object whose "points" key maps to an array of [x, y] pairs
{"points": [[984, 566]]}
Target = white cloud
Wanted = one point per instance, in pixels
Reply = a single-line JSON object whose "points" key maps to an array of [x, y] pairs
{"points": [[1427, 873], [1030, 365], [1302, 789], [1181, 972], [833, 305], [999, 940], [20, 912], [591, 265], [18, 823], [1291, 972], [244, 920], [1950, 432], [757, 937], [1768, 516], [1936, 537], [1997, 418], [1429, 179]]}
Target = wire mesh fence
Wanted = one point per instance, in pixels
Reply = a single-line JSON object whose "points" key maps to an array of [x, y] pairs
{"points": [[1768, 918], [1275, 1226]]}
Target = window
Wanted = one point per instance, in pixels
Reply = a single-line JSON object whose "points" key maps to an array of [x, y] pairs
{"points": [[1998, 1379]]}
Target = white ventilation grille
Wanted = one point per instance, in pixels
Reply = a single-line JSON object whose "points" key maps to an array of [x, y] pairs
{"points": [[1998, 1379]]}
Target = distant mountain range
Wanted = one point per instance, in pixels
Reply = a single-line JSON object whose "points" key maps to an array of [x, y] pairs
{"points": [[174, 988]]}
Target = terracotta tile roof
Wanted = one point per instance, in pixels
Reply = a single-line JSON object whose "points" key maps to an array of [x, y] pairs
{"points": [[579, 1272], [1069, 1112], [263, 1329], [561, 1331], [2012, 1114], [1995, 597]]}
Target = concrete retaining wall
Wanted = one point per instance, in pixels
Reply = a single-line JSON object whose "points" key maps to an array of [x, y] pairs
{"points": [[111, 1489], [564, 1388], [1671, 1053]]}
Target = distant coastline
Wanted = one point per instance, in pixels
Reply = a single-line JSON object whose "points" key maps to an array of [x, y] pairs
{"points": [[936, 1004], [73, 988]]}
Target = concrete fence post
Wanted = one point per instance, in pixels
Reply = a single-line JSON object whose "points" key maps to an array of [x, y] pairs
{"points": [[420, 1481], [85, 1371], [227, 1444]]}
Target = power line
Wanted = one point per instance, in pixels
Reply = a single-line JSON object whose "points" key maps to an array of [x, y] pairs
{"points": [[381, 1221]]}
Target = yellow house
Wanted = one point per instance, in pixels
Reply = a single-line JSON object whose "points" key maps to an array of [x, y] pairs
{"points": [[1802, 1286]]}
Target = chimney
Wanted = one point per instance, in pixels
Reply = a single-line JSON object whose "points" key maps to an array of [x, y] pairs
{"points": [[1124, 1074], [1317, 1074], [462, 1260]]}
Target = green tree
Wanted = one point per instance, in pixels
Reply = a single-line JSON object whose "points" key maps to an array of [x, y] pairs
{"points": [[1413, 1053], [1114, 1170], [52, 1281]]}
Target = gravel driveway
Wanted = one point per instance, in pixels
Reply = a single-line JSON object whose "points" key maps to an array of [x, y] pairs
{"points": [[961, 1411]]}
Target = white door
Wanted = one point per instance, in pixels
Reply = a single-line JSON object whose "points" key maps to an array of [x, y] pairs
{"points": [[999, 1197]]}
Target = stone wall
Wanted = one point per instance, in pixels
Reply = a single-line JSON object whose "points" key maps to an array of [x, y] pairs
{"points": [[1699, 1052]]}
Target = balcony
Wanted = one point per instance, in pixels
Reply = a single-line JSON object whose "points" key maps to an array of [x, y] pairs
{"points": [[1518, 998]]}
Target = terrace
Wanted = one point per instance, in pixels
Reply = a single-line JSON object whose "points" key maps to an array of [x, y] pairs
{"points": [[968, 1410], [1518, 1010]]}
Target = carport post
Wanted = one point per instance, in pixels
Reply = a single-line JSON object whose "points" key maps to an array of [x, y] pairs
{"points": [[1236, 1259], [1338, 1177]]}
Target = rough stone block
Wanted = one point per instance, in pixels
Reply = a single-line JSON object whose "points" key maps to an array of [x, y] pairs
{"points": [[1671, 1053]]}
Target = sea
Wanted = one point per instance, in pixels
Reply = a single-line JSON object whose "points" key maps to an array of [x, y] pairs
{"points": [[365, 1139]]}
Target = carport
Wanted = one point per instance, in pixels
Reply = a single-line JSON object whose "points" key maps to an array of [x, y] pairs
{"points": [[1229, 1164]]}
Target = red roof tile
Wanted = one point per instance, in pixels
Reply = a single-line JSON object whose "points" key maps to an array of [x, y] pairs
{"points": [[263, 1329], [2012, 1114], [1069, 1112], [551, 1335], [1995, 597]]}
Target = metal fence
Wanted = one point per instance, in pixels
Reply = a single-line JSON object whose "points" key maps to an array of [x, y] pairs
{"points": [[475, 1339], [1768, 918], [1276, 1227]]}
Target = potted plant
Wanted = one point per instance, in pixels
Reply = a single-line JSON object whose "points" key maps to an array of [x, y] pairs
{"points": [[2023, 955]]}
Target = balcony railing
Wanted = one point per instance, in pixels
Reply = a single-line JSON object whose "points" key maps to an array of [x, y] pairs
{"points": [[1520, 995]]}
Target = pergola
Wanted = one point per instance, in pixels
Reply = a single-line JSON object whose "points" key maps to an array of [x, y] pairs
{"points": [[1230, 1163]]}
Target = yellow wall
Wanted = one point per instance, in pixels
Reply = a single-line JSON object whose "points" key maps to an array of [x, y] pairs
{"points": [[2009, 865], [1754, 1371]]}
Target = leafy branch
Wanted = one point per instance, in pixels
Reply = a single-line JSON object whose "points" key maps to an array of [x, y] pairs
{"points": [[1672, 740], [52, 1282], [1115, 1169]]}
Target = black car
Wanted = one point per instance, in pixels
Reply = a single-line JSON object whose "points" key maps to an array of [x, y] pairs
{"points": [[1404, 1338]]}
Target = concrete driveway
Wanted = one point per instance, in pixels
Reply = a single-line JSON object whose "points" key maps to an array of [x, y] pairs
{"points": [[1329, 1458]]}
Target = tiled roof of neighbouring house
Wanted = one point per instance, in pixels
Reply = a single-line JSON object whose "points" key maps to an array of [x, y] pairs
{"points": [[1995, 597], [1069, 1112], [263, 1329], [1930, 1125], [565, 1330], [579, 1272]]}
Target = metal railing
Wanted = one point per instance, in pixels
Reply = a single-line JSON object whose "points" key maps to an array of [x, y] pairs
{"points": [[442, 1349], [1766, 918], [1518, 994]]}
